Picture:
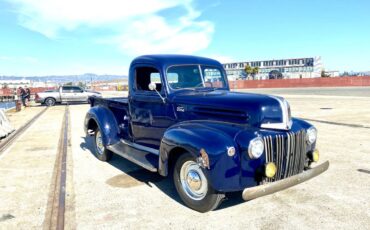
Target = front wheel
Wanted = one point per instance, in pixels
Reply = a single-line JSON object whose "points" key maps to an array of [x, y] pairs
{"points": [[101, 152], [193, 187]]}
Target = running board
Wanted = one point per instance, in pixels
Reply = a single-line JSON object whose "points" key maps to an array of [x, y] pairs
{"points": [[142, 158]]}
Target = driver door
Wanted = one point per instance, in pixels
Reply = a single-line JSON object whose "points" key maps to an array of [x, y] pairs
{"points": [[79, 95], [150, 116]]}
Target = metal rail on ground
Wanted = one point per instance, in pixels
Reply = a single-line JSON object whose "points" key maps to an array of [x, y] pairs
{"points": [[55, 213]]}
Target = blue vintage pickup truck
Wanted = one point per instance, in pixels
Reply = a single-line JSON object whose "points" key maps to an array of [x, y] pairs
{"points": [[181, 120]]}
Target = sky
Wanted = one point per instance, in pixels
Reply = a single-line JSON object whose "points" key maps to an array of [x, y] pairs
{"points": [[62, 37]]}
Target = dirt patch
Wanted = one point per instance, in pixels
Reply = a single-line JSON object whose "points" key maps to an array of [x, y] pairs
{"points": [[6, 217], [38, 149], [364, 171], [133, 179], [123, 181]]}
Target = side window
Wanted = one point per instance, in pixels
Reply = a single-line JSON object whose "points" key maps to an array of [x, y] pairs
{"points": [[144, 76], [213, 77], [76, 89], [66, 89]]}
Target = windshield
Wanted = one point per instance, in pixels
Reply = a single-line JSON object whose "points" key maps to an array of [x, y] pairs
{"points": [[195, 76]]}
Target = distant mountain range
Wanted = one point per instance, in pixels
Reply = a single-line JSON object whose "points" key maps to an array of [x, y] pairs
{"points": [[67, 78]]}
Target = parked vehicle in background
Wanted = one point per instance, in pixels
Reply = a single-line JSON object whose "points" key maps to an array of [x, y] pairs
{"points": [[65, 94], [181, 120]]}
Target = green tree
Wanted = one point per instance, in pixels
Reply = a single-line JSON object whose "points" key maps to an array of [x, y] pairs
{"points": [[69, 83], [248, 70], [255, 71]]}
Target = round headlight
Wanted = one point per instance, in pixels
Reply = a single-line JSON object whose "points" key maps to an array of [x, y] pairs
{"points": [[311, 135], [255, 148]]}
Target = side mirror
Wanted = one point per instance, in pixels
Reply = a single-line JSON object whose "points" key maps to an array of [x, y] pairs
{"points": [[152, 86]]}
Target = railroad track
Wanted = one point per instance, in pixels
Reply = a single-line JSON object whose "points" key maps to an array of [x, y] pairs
{"points": [[54, 216], [5, 143], [55, 213]]}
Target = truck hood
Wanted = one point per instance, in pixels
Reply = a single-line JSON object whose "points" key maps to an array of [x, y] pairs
{"points": [[244, 108]]}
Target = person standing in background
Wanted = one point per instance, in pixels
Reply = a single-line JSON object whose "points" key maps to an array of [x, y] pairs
{"points": [[28, 94], [22, 95]]}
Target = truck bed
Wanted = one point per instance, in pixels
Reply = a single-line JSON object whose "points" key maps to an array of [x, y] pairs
{"points": [[141, 155], [109, 102], [119, 107]]}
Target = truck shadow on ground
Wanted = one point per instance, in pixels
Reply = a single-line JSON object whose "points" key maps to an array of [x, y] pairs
{"points": [[134, 175]]}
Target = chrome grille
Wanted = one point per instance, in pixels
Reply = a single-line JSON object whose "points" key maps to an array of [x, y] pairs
{"points": [[288, 152]]}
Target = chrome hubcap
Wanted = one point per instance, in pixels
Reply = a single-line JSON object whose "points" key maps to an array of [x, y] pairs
{"points": [[99, 143], [193, 180]]}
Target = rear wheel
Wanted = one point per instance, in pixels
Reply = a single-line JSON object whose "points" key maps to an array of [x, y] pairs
{"points": [[192, 185], [101, 152], [50, 101]]}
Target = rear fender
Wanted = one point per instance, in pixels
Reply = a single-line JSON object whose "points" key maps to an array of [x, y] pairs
{"points": [[105, 120]]}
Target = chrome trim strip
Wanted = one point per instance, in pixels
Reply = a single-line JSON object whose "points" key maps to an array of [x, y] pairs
{"points": [[288, 152], [287, 163], [141, 147]]}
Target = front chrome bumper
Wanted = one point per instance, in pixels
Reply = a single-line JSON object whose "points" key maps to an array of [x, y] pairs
{"points": [[266, 189]]}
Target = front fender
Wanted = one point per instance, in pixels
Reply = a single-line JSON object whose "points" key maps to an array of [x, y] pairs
{"points": [[107, 123], [192, 137]]}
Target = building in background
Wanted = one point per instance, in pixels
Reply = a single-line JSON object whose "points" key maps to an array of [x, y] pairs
{"points": [[14, 84], [309, 67]]}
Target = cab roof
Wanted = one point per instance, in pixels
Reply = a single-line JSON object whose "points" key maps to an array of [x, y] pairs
{"points": [[164, 60]]}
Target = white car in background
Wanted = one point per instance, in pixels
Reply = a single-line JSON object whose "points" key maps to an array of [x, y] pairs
{"points": [[65, 94]]}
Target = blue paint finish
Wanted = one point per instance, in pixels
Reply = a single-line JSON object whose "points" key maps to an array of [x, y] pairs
{"points": [[192, 119], [223, 105], [196, 135], [106, 123]]}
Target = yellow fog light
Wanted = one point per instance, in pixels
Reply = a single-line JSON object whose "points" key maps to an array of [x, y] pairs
{"points": [[270, 169], [315, 156]]}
